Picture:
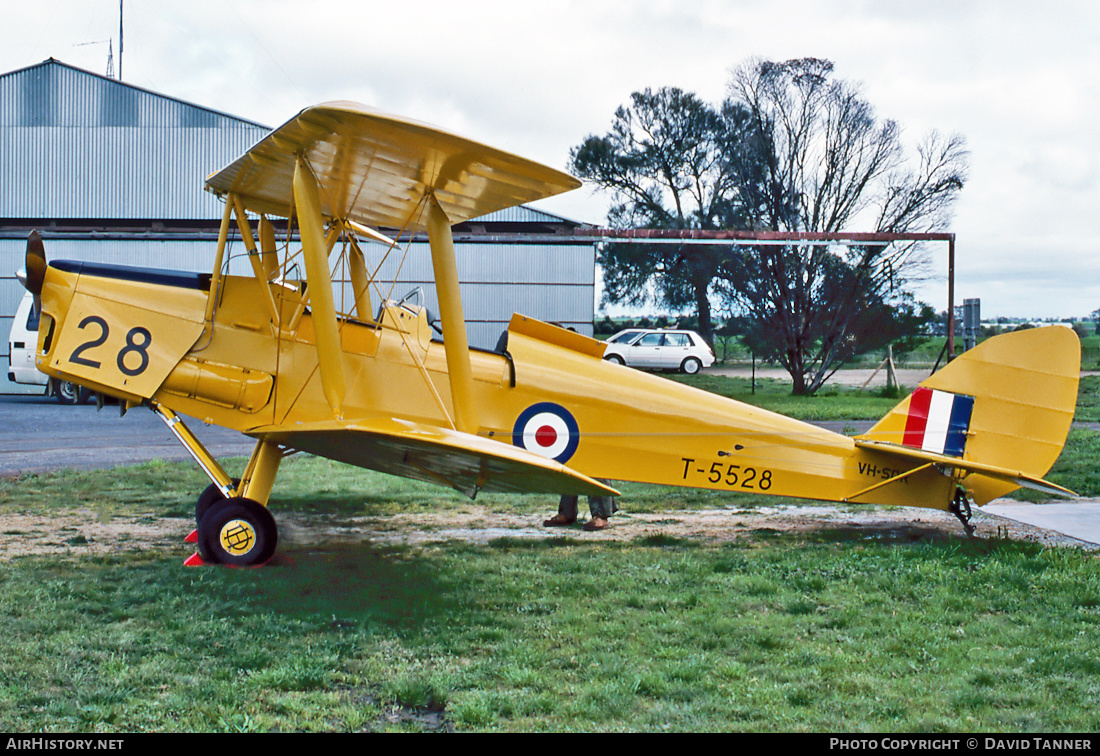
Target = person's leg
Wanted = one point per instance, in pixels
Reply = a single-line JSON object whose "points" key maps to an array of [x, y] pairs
{"points": [[601, 509], [567, 513]]}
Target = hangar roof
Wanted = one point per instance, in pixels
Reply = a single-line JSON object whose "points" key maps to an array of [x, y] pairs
{"points": [[74, 144]]}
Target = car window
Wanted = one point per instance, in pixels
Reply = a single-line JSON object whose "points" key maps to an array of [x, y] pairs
{"points": [[650, 339], [677, 340], [623, 337]]}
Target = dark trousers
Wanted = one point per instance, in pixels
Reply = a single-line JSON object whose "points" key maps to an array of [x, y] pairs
{"points": [[598, 506]]}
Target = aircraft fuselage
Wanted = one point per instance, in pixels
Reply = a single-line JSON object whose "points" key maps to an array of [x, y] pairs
{"points": [[140, 336]]}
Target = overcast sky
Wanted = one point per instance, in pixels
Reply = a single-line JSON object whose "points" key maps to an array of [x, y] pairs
{"points": [[1020, 80]]}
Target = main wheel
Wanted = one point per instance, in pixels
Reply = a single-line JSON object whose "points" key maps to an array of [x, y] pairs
{"points": [[691, 366], [210, 496], [238, 532]]}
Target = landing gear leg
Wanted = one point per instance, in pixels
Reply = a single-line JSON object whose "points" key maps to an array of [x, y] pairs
{"points": [[960, 507], [239, 530], [259, 474], [234, 525]]}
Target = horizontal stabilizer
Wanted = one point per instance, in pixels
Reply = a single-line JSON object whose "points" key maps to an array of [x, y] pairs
{"points": [[463, 461], [1017, 478]]}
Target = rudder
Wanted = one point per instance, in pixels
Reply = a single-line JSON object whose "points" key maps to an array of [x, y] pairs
{"points": [[1007, 403]]}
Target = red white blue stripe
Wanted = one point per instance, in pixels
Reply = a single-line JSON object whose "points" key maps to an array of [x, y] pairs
{"points": [[938, 421]]}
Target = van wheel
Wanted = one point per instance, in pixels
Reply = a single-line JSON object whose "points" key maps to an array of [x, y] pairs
{"points": [[68, 393], [691, 366]]}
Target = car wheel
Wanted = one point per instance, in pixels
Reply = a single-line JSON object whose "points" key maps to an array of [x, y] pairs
{"points": [[691, 366], [615, 358]]}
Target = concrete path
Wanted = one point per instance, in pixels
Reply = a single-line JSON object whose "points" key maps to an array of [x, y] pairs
{"points": [[1078, 518]]}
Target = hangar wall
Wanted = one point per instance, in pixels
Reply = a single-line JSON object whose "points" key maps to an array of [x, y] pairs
{"points": [[110, 172]]}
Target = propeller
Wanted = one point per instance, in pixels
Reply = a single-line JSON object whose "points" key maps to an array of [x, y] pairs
{"points": [[36, 264], [34, 273]]}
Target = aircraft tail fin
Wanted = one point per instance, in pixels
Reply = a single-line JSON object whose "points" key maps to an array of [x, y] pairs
{"points": [[1001, 412]]}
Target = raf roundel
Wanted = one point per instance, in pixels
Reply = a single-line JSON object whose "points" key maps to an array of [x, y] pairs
{"points": [[547, 429]]}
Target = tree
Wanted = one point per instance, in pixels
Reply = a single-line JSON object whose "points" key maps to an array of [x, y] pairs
{"points": [[671, 161], [828, 163], [790, 149]]}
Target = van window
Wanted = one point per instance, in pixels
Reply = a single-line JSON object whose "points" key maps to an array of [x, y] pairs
{"points": [[33, 317]]}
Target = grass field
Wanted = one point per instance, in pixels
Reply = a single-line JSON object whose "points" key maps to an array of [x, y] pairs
{"points": [[826, 631], [831, 403], [777, 634]]}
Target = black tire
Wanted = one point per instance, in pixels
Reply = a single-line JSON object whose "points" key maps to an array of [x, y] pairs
{"points": [[615, 358], [691, 366], [238, 532], [210, 496], [67, 393]]}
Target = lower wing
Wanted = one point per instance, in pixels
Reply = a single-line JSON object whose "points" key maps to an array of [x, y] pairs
{"points": [[463, 461]]}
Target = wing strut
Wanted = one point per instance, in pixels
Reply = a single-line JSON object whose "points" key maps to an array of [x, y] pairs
{"points": [[455, 343], [315, 248]]}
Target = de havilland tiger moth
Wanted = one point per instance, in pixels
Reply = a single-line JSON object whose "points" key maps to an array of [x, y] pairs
{"points": [[277, 357]]}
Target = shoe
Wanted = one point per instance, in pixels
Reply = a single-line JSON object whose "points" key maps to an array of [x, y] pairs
{"points": [[596, 523], [558, 520]]}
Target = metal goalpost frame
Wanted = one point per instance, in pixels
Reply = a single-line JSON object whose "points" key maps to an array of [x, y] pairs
{"points": [[783, 238]]}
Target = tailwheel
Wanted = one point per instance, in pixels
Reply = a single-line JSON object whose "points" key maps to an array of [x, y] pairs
{"points": [[238, 532], [960, 507]]}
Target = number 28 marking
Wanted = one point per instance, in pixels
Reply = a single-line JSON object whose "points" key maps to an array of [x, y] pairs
{"points": [[138, 340]]}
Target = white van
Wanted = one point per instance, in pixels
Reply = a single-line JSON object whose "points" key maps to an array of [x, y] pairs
{"points": [[22, 342]]}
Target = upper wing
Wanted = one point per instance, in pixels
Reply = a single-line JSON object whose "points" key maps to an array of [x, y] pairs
{"points": [[376, 169], [463, 461]]}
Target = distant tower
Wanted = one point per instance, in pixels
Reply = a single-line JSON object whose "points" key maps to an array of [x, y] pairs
{"points": [[111, 60]]}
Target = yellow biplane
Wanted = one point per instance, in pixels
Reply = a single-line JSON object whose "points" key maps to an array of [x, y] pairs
{"points": [[271, 355]]}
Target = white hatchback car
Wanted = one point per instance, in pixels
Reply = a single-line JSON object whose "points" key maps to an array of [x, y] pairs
{"points": [[660, 350]]}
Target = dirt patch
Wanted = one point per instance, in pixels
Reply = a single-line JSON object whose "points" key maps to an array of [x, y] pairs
{"points": [[87, 533], [705, 526], [84, 532]]}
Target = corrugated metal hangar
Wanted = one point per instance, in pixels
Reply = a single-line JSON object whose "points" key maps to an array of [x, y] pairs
{"points": [[110, 172]]}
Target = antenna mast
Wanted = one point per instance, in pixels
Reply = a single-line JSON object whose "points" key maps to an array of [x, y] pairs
{"points": [[120, 40]]}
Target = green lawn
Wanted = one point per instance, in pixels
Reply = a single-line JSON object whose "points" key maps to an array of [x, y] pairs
{"points": [[831, 403], [829, 631]]}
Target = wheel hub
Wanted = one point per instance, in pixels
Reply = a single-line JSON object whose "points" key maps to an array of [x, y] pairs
{"points": [[238, 537]]}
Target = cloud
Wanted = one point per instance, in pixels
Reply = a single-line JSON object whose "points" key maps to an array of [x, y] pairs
{"points": [[1018, 79]]}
